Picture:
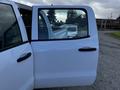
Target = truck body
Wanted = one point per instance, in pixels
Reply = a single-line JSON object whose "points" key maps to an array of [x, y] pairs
{"points": [[41, 54]]}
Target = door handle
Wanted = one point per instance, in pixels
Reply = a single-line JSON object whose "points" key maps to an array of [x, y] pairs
{"points": [[86, 49], [24, 57]]}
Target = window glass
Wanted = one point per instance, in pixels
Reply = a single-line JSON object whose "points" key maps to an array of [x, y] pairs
{"points": [[65, 23], [9, 29], [43, 31]]}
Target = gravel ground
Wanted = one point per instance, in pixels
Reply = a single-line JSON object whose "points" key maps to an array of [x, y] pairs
{"points": [[108, 77]]}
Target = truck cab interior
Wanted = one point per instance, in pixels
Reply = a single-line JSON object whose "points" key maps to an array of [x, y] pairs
{"points": [[26, 13]]}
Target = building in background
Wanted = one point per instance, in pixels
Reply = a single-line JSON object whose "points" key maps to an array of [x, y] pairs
{"points": [[105, 24]]}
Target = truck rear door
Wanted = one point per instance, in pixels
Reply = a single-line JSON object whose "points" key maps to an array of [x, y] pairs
{"points": [[16, 57], [63, 58]]}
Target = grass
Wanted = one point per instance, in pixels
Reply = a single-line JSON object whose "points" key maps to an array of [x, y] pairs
{"points": [[116, 35]]}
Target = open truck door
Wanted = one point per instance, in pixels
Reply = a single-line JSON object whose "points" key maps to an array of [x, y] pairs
{"points": [[16, 57], [64, 60]]}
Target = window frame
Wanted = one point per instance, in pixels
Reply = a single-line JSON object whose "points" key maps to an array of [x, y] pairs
{"points": [[88, 32], [17, 44]]}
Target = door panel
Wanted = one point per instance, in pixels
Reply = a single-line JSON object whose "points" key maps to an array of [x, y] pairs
{"points": [[14, 75], [24, 69], [60, 63], [69, 59]]}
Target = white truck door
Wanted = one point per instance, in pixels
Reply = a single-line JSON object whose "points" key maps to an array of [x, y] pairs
{"points": [[69, 60], [16, 57]]}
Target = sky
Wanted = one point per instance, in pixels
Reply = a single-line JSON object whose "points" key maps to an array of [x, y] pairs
{"points": [[102, 8]]}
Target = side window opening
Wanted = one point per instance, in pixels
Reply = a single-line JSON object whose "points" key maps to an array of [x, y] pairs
{"points": [[27, 19], [66, 23]]}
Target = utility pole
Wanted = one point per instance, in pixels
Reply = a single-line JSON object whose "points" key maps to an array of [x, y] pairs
{"points": [[111, 20]]}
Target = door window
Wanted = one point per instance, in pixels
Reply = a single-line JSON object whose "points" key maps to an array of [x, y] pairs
{"points": [[9, 29], [65, 24]]}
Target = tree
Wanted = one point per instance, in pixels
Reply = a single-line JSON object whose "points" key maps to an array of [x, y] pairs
{"points": [[118, 18], [71, 16], [51, 16]]}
